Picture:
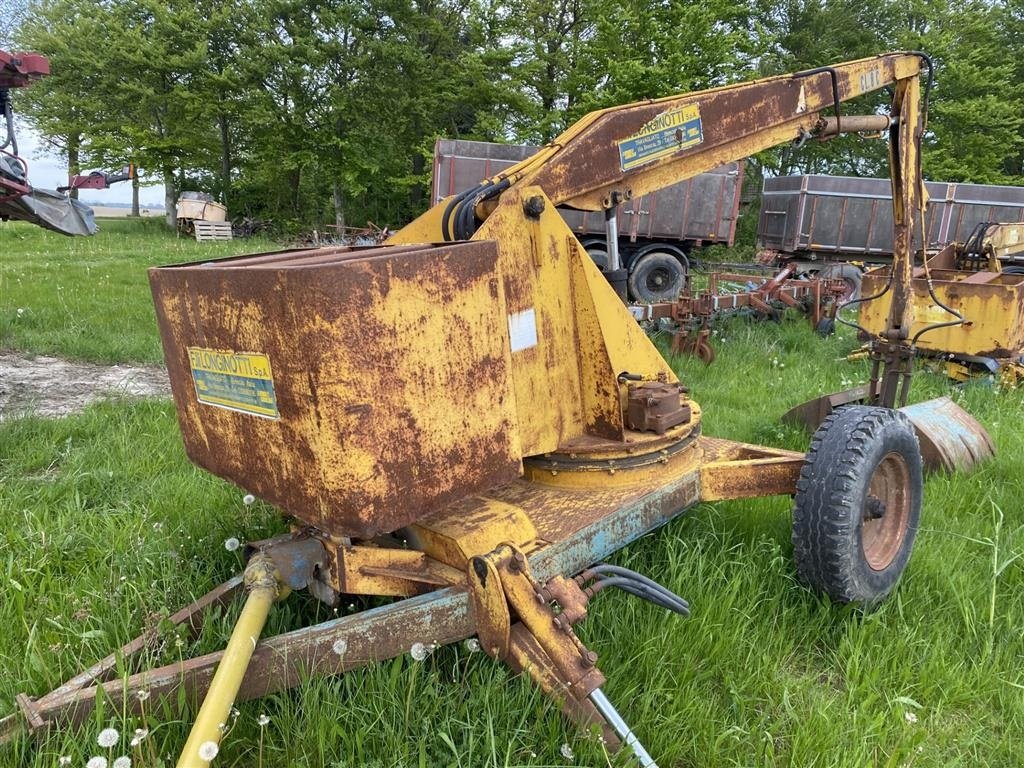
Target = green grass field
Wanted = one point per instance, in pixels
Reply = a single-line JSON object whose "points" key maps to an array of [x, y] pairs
{"points": [[104, 522]]}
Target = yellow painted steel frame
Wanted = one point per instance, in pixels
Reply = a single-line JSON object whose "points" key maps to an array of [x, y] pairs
{"points": [[263, 586], [992, 303], [564, 382]]}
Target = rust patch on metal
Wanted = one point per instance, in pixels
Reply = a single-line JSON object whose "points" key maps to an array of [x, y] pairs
{"points": [[345, 456]]}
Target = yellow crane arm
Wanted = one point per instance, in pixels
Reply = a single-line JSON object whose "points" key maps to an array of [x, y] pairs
{"points": [[614, 154], [639, 148], [627, 151]]}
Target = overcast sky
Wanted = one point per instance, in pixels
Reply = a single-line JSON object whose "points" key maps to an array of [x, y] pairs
{"points": [[47, 170]]}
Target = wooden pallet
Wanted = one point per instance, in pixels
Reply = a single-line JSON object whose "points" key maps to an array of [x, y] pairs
{"points": [[212, 230]]}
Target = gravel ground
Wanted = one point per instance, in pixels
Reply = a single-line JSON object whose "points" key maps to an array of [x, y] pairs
{"points": [[50, 386]]}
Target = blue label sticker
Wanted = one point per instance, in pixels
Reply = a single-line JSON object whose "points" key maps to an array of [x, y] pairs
{"points": [[238, 381], [665, 134]]}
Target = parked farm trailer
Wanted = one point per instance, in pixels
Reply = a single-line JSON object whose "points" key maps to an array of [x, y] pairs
{"points": [[657, 231], [821, 223]]}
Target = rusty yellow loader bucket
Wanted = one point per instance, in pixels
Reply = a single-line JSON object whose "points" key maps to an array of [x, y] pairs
{"points": [[951, 439]]}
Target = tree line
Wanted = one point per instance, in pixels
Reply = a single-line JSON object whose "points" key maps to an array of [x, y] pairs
{"points": [[314, 111]]}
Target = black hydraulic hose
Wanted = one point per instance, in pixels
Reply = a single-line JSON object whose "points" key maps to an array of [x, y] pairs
{"points": [[446, 232], [928, 83], [465, 213], [618, 570], [835, 89], [674, 604], [601, 569], [5, 106]]}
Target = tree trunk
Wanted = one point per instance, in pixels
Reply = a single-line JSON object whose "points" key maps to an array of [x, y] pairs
{"points": [[135, 195], [170, 198], [225, 158], [74, 166], [339, 208]]}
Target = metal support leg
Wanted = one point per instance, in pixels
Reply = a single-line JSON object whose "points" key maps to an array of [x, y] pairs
{"points": [[609, 713]]}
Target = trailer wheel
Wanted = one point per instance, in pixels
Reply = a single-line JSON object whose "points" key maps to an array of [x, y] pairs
{"points": [[657, 276], [857, 505], [1014, 269], [849, 274]]}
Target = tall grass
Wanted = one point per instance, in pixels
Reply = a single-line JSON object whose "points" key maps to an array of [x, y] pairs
{"points": [[87, 298], [103, 522]]}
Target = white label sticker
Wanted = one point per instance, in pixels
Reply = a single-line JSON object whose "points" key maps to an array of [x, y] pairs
{"points": [[522, 330]]}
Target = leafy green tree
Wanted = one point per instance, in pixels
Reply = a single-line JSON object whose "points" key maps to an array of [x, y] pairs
{"points": [[977, 104], [67, 106]]}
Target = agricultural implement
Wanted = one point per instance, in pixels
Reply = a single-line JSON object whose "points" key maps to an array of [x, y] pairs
{"points": [[19, 200], [981, 280], [688, 319], [468, 419]]}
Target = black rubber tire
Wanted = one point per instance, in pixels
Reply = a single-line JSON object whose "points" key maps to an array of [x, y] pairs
{"points": [[656, 276], [1014, 269], [847, 272], [831, 540], [599, 255], [826, 326]]}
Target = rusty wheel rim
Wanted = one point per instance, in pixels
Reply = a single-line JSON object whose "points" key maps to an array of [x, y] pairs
{"points": [[657, 279], [886, 513]]}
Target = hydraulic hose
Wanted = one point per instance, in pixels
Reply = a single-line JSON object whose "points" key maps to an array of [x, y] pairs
{"points": [[662, 599], [605, 575], [262, 584]]}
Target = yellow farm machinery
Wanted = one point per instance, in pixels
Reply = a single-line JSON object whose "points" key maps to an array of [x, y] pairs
{"points": [[467, 418], [974, 291]]}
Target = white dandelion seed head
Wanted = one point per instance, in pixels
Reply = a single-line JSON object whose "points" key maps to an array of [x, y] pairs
{"points": [[235, 713], [248, 499], [99, 761], [910, 717], [231, 544], [108, 737], [222, 727], [340, 646], [419, 651], [263, 720], [122, 762], [472, 645], [141, 733], [142, 694], [566, 751], [64, 760], [208, 750]]}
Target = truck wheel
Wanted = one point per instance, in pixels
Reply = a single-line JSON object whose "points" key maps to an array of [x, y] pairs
{"points": [[1014, 269], [656, 276], [599, 255], [857, 505], [849, 274]]}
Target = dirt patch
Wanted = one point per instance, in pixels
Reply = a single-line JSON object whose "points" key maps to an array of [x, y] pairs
{"points": [[49, 386]]}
